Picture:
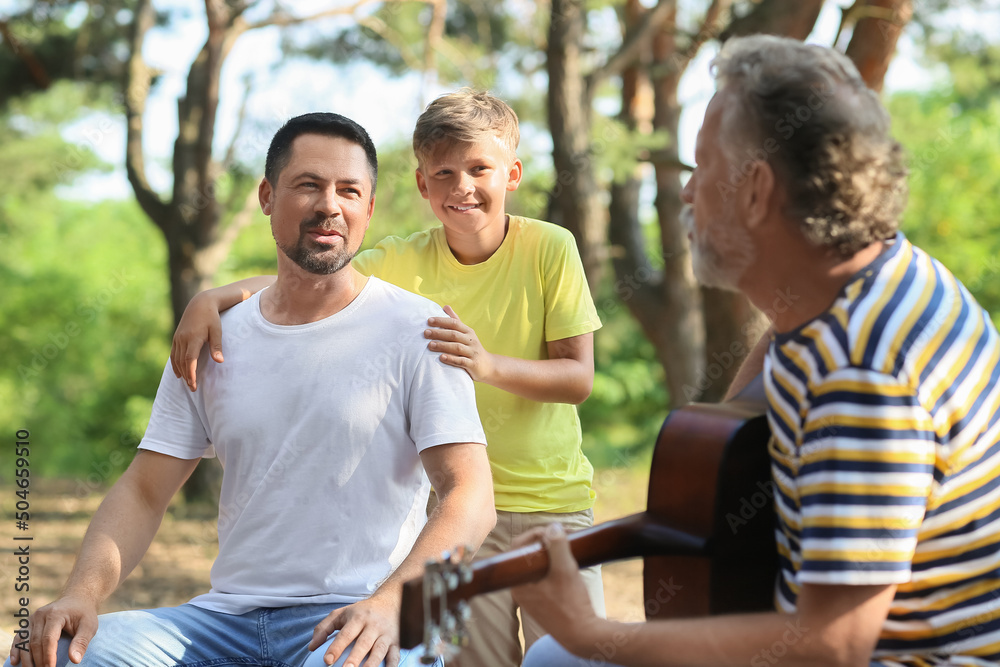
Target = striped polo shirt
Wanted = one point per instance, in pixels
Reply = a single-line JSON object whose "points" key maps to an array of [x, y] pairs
{"points": [[886, 453]]}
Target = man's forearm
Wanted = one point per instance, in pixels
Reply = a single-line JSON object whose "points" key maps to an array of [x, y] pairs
{"points": [[116, 540], [464, 515], [125, 523], [835, 626], [710, 642]]}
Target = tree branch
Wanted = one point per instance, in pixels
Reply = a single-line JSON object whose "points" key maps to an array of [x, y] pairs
{"points": [[21, 50], [383, 30], [280, 18], [209, 260], [227, 161], [789, 18], [631, 46], [665, 158], [711, 27], [880, 23], [435, 31], [138, 79]]}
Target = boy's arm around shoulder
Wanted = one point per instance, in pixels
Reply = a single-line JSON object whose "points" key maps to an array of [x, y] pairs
{"points": [[115, 542], [201, 324]]}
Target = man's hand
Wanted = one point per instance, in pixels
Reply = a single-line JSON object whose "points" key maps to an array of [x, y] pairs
{"points": [[373, 626], [68, 615], [459, 346], [561, 598], [199, 324]]}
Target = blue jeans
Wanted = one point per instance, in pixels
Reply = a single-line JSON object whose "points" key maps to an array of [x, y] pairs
{"points": [[547, 652], [189, 636]]}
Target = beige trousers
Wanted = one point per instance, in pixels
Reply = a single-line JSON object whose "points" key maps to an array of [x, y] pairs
{"points": [[493, 628]]}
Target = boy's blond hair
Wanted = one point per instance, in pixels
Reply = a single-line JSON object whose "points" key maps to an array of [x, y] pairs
{"points": [[465, 116]]}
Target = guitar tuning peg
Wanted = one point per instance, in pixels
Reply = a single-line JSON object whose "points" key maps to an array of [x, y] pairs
{"points": [[432, 648], [464, 613], [449, 624]]}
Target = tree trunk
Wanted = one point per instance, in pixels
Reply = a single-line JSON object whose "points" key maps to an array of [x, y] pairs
{"points": [[873, 42], [788, 18], [190, 220], [683, 329], [574, 203]]}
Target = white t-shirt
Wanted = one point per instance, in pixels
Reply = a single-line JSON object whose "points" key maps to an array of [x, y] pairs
{"points": [[318, 427]]}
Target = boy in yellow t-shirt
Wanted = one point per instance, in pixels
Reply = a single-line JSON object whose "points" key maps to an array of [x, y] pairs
{"points": [[520, 322]]}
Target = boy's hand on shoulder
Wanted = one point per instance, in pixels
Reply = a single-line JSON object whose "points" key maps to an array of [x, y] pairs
{"points": [[459, 346]]}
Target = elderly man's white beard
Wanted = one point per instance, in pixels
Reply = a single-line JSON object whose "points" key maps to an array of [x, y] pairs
{"points": [[720, 254]]}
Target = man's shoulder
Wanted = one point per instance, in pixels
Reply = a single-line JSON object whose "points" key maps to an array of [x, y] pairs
{"points": [[241, 312]]}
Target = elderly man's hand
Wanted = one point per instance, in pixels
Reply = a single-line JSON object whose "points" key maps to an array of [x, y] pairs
{"points": [[560, 601]]}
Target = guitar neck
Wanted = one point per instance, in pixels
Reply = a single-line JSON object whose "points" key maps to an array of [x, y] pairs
{"points": [[635, 536]]}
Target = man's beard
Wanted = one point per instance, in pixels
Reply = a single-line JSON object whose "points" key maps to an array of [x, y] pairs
{"points": [[720, 254], [315, 258]]}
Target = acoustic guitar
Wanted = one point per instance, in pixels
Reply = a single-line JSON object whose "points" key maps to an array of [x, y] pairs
{"points": [[706, 537]]}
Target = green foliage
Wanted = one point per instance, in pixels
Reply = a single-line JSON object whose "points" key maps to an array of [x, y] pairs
{"points": [[63, 40], [618, 148], [394, 37], [34, 156], [953, 212], [974, 66], [626, 407], [85, 309]]}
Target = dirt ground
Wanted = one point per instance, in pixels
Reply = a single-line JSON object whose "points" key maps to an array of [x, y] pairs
{"points": [[177, 565]]}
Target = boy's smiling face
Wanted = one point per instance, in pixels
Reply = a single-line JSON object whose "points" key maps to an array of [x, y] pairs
{"points": [[466, 185]]}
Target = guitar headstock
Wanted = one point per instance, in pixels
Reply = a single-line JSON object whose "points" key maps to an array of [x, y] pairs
{"points": [[445, 633]]}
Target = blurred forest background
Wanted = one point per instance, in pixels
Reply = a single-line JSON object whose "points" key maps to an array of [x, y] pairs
{"points": [[92, 284]]}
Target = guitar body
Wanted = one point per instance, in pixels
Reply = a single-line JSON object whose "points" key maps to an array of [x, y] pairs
{"points": [[710, 478], [706, 537]]}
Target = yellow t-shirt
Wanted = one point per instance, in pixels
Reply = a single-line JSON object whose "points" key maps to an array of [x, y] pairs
{"points": [[532, 290]]}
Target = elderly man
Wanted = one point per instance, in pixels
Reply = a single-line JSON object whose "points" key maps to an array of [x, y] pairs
{"points": [[882, 388], [329, 416]]}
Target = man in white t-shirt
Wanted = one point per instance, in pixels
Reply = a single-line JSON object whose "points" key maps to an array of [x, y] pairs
{"points": [[331, 419]]}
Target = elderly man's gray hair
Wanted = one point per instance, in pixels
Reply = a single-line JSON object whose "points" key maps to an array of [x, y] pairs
{"points": [[807, 111]]}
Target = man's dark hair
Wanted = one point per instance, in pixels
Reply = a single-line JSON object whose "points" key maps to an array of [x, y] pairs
{"points": [[322, 123]]}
